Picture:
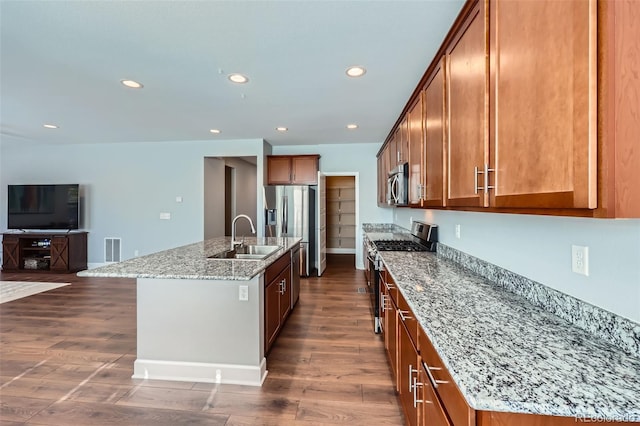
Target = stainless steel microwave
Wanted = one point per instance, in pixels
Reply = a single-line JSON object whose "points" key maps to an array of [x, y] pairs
{"points": [[398, 185]]}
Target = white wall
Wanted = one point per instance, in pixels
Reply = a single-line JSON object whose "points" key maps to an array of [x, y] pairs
{"points": [[127, 186], [539, 247], [348, 159]]}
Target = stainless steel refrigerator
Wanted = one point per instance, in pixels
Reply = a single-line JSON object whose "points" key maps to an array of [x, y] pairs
{"points": [[294, 215]]}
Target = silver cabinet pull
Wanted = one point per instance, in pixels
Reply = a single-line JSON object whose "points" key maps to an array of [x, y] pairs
{"points": [[484, 172], [416, 385], [411, 378], [402, 315], [432, 379]]}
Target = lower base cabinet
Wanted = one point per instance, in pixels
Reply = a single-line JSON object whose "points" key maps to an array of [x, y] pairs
{"points": [[427, 393], [277, 298]]}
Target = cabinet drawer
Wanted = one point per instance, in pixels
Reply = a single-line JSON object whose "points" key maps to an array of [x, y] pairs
{"points": [[432, 412], [276, 267], [454, 403], [406, 315]]}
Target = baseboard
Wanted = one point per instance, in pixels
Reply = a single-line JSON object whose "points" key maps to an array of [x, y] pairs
{"points": [[200, 372]]}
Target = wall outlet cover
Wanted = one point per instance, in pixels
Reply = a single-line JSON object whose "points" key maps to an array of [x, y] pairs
{"points": [[580, 260]]}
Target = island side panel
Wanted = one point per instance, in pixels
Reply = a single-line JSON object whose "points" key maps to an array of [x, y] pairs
{"points": [[199, 330]]}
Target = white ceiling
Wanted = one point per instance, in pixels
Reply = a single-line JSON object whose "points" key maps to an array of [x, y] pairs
{"points": [[62, 61]]}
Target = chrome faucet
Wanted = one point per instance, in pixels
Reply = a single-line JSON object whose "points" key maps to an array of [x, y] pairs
{"points": [[234, 243]]}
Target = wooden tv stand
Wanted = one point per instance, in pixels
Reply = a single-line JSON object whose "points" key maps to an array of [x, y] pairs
{"points": [[42, 251]]}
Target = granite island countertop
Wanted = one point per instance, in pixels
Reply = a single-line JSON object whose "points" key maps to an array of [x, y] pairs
{"points": [[192, 262], [506, 354]]}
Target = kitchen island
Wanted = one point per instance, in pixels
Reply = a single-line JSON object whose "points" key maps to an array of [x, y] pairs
{"points": [[200, 319]]}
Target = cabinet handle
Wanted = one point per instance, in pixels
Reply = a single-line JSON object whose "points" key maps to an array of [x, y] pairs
{"points": [[486, 177], [383, 302], [411, 378], [484, 172], [476, 172], [416, 385], [432, 379], [402, 315]]}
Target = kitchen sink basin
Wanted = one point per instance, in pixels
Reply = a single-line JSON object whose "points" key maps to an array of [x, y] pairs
{"points": [[251, 252]]}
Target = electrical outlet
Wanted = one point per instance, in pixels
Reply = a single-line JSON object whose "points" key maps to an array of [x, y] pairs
{"points": [[580, 260], [165, 216], [136, 253], [243, 293], [458, 231]]}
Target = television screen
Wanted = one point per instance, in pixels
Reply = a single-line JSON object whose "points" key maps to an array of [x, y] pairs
{"points": [[43, 206]]}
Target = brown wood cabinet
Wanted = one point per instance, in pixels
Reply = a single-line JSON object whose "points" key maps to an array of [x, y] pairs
{"points": [[390, 322], [434, 182], [467, 108], [292, 169], [541, 110], [44, 252], [543, 105], [415, 118], [278, 299], [383, 170]]}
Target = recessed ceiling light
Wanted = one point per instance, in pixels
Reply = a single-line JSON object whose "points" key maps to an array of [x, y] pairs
{"points": [[238, 78], [216, 131], [281, 129], [132, 84], [356, 71], [50, 126], [352, 126]]}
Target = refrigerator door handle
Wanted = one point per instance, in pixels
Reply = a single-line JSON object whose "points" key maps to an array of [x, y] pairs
{"points": [[285, 215]]}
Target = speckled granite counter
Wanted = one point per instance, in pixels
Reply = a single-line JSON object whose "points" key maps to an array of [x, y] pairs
{"points": [[192, 262], [505, 354]]}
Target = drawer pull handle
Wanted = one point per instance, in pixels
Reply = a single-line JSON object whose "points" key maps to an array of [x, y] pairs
{"points": [[402, 315], [432, 379]]}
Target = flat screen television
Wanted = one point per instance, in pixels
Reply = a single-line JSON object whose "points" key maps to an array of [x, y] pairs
{"points": [[43, 207]]}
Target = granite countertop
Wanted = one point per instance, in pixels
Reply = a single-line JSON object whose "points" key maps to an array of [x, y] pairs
{"points": [[192, 262], [506, 354]]}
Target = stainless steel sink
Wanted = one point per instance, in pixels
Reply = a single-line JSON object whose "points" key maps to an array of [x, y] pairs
{"points": [[252, 252]]}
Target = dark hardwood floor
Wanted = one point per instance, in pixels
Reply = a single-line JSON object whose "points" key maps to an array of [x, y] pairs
{"points": [[66, 358]]}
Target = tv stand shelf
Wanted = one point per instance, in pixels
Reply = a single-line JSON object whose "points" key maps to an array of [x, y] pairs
{"points": [[44, 251]]}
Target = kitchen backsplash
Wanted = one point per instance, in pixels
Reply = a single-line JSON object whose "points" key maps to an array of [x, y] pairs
{"points": [[606, 325]]}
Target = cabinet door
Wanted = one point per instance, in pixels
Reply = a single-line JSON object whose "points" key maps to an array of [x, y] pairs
{"points": [[304, 170], [543, 97], [402, 141], [285, 293], [271, 312], [59, 253], [434, 118], [383, 163], [467, 108], [416, 144], [392, 152], [408, 361], [391, 335], [11, 253], [278, 170]]}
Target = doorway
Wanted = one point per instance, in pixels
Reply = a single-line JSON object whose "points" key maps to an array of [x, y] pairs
{"points": [[342, 217], [230, 189]]}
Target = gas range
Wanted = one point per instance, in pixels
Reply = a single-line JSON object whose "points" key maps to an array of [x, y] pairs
{"points": [[399, 245], [423, 238]]}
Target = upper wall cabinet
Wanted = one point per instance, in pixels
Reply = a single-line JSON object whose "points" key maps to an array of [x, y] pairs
{"points": [[292, 169], [435, 138], [415, 119], [466, 82], [543, 105]]}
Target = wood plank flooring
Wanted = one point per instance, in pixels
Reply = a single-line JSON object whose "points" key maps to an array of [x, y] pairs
{"points": [[66, 358]]}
